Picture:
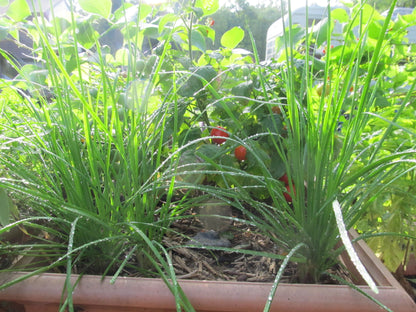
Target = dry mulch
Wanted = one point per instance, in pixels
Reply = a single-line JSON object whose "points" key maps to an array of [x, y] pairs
{"points": [[204, 264]]}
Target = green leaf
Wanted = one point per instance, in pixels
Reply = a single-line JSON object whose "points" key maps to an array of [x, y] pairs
{"points": [[198, 40], [4, 208], [211, 151], [122, 57], [350, 249], [87, 36], [322, 31], [340, 15], [208, 6], [102, 7], [243, 89], [4, 3], [232, 37], [207, 72], [191, 86], [144, 11], [4, 31], [297, 33], [167, 19], [367, 13], [18, 10]]}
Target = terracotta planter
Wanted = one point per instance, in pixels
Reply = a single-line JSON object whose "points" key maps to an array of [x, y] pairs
{"points": [[411, 266], [43, 293]]}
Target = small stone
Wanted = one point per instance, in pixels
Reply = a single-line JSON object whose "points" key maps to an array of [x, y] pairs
{"points": [[209, 238], [242, 277]]}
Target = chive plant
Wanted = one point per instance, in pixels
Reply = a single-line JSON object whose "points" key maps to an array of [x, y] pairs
{"points": [[323, 162], [89, 160]]}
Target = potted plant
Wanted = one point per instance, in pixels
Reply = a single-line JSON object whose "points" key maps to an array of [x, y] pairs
{"points": [[127, 143]]}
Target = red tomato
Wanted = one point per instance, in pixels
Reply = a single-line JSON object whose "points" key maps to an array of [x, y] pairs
{"points": [[284, 179], [287, 194], [240, 152], [276, 109], [218, 131]]}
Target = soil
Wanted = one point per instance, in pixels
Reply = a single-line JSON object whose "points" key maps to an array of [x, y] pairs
{"points": [[208, 264]]}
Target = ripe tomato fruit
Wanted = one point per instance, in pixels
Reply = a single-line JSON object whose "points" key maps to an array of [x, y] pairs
{"points": [[219, 131], [287, 194], [240, 152], [276, 110], [284, 179]]}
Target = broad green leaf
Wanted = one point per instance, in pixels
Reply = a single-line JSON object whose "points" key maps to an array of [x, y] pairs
{"points": [[4, 31], [122, 57], [367, 13], [190, 168], [198, 40], [374, 30], [167, 19], [207, 31], [243, 89], [192, 85], [4, 208], [232, 37], [340, 15], [297, 33], [321, 32], [144, 11], [208, 6], [207, 72], [102, 7], [87, 36], [18, 10]]}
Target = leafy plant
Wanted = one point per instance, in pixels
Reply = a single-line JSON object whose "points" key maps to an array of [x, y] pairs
{"points": [[108, 144]]}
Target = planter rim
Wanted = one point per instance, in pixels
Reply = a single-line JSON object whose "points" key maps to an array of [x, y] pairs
{"points": [[96, 293], [129, 293]]}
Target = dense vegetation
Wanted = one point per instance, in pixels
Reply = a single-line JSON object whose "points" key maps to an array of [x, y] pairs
{"points": [[105, 144]]}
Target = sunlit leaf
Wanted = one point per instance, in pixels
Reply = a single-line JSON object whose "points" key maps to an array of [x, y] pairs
{"points": [[122, 57], [167, 19], [340, 15], [232, 37], [18, 10], [102, 7], [208, 6]]}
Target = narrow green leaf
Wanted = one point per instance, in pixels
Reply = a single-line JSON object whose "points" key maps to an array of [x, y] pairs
{"points": [[232, 37], [279, 276], [348, 246], [4, 208], [102, 7]]}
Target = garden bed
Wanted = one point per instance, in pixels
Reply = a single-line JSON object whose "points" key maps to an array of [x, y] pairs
{"points": [[94, 293]]}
